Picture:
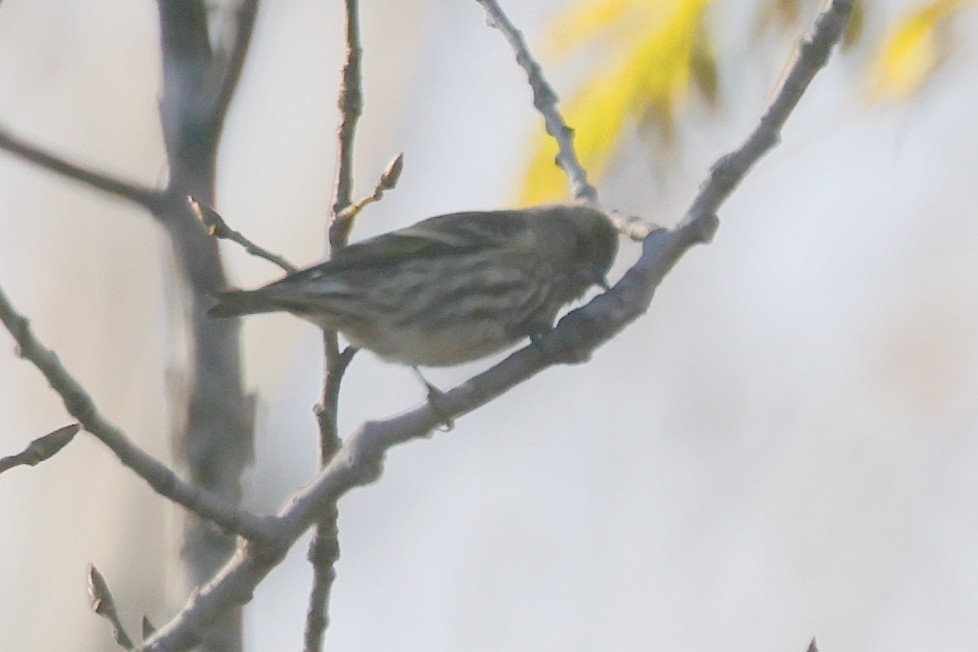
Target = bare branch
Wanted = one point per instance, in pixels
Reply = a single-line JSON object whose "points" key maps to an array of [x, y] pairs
{"points": [[387, 181], [80, 405], [244, 27], [218, 228], [359, 460], [351, 107], [148, 198], [810, 56], [545, 101], [104, 605], [215, 437], [324, 549], [42, 448]]}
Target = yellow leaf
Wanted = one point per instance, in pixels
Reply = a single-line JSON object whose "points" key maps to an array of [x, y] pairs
{"points": [[584, 23], [602, 113], [914, 49], [650, 67], [704, 69]]}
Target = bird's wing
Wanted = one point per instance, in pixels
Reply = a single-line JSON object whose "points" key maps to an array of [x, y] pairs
{"points": [[445, 235]]}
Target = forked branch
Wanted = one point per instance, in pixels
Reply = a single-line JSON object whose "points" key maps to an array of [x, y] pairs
{"points": [[359, 459]]}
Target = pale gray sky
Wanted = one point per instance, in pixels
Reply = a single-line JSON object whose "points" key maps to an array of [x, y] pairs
{"points": [[784, 446]]}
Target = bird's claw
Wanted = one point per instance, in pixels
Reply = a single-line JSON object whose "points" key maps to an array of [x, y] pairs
{"points": [[434, 396]]}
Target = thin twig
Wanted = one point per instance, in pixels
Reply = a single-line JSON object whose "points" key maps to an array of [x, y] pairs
{"points": [[359, 460], [42, 448], [324, 549], [104, 605], [545, 101], [148, 198], [81, 406], [350, 104], [218, 228], [387, 181]]}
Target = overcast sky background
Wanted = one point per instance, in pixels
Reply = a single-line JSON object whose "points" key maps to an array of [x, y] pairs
{"points": [[784, 446]]}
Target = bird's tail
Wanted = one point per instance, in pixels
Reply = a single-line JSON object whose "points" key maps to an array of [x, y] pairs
{"points": [[241, 302]]}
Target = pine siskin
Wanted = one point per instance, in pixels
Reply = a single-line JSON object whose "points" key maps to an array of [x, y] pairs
{"points": [[449, 289]]}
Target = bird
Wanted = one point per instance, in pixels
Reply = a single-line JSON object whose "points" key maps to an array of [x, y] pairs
{"points": [[449, 289]]}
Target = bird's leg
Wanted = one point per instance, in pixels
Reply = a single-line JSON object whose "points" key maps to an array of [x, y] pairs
{"points": [[434, 395]]}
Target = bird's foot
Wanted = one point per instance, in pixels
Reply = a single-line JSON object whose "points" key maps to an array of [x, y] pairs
{"points": [[435, 396]]}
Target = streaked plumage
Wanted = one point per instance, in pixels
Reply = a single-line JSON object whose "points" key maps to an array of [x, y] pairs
{"points": [[448, 289]]}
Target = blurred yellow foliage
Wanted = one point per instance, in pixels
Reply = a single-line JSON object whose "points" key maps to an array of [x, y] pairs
{"points": [[654, 49], [914, 49], [652, 52]]}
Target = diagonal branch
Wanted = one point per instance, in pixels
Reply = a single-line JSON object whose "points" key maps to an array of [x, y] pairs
{"points": [[81, 406], [358, 461], [218, 228], [148, 198], [545, 101], [811, 54]]}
